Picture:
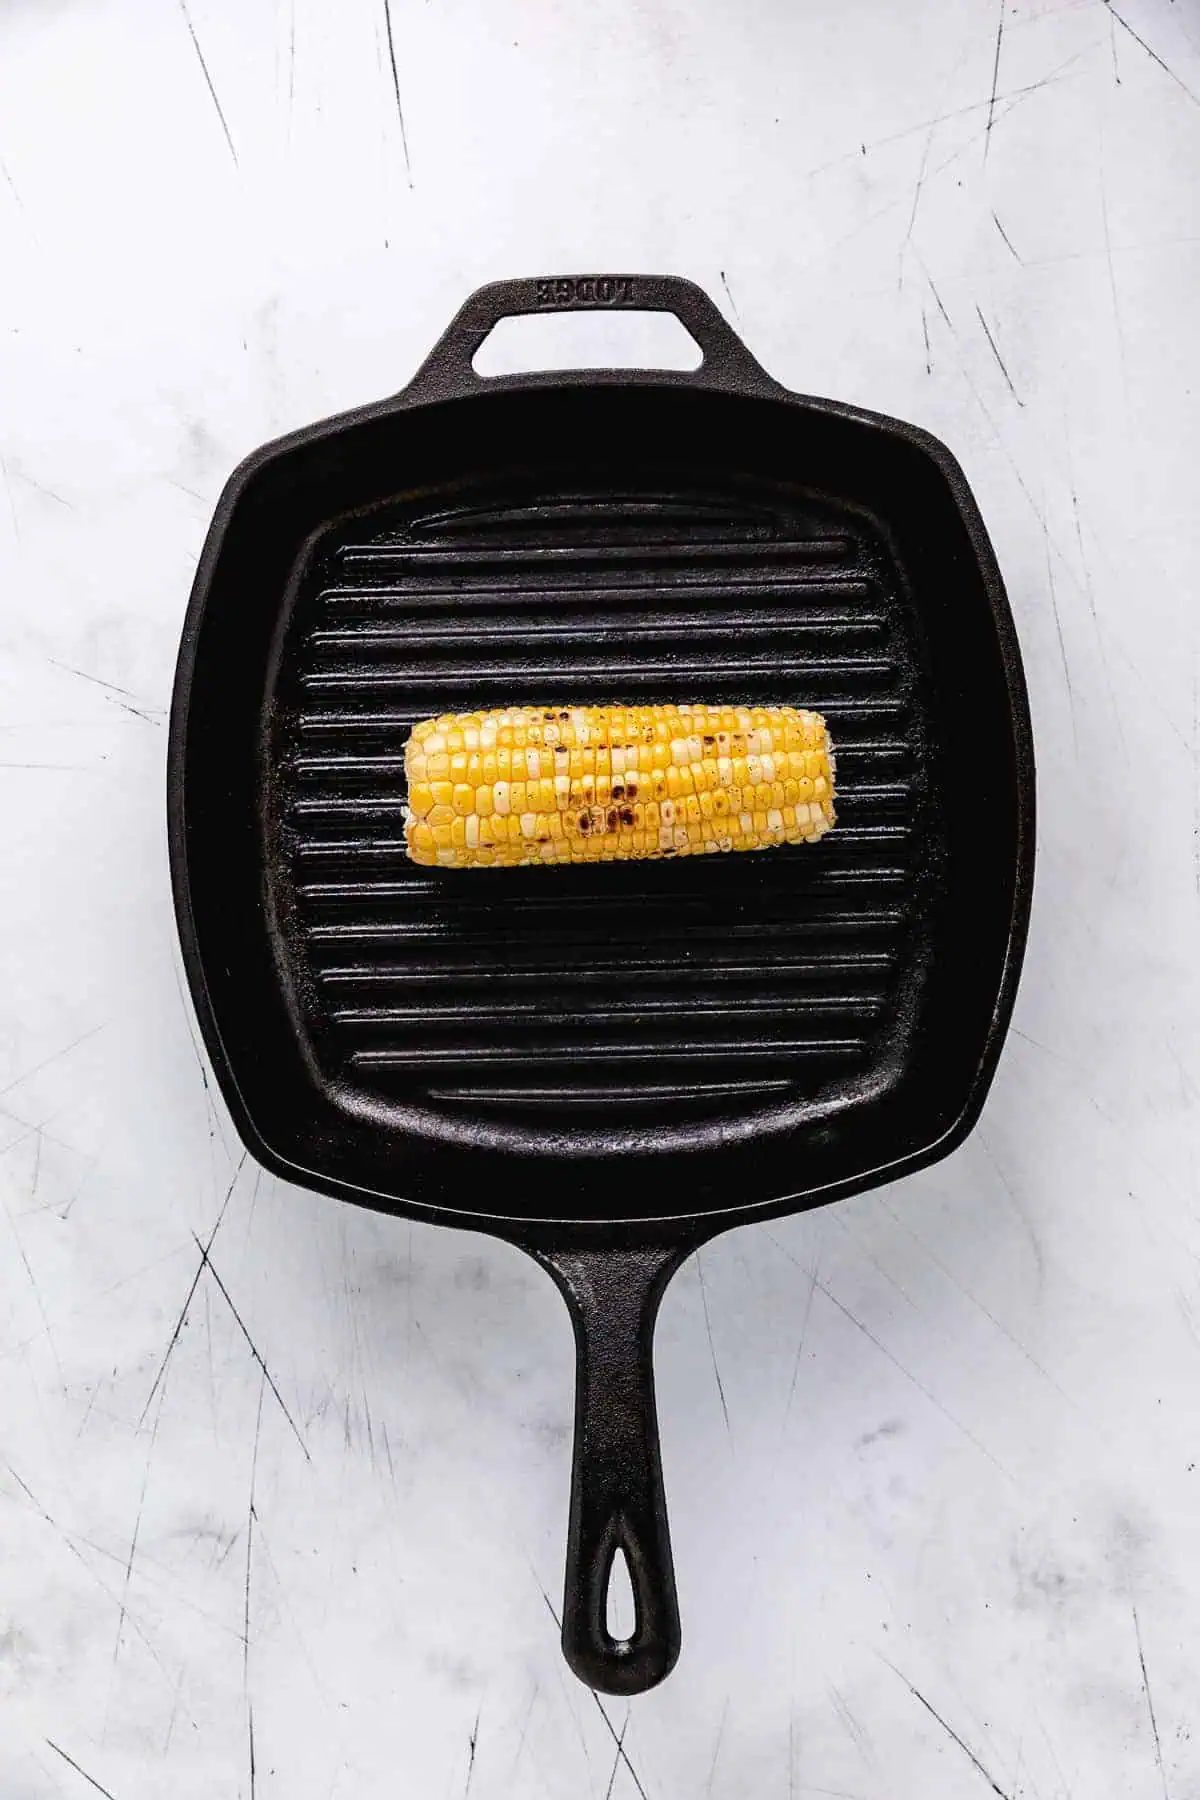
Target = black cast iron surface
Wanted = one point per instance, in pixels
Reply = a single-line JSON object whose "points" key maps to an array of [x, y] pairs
{"points": [[607, 1064]]}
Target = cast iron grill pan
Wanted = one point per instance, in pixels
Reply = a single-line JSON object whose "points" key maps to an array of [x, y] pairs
{"points": [[605, 1064]]}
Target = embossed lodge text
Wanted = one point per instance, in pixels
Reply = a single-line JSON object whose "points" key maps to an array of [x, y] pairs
{"points": [[587, 290]]}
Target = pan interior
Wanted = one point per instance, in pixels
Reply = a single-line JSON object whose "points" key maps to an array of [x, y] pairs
{"points": [[675, 998]]}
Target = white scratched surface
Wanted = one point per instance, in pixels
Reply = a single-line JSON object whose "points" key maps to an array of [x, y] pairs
{"points": [[936, 1523]]}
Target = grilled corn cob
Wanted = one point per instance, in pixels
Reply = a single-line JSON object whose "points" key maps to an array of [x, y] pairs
{"points": [[558, 784]]}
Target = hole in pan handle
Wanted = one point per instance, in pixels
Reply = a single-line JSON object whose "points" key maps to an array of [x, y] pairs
{"points": [[447, 371], [617, 1497]]}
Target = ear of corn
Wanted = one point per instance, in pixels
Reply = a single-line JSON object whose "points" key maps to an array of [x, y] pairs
{"points": [[542, 784]]}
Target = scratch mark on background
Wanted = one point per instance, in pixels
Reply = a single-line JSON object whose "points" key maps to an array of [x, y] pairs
{"points": [[1007, 100], [215, 1126], [812, 1288], [252, 1208], [951, 327], [11, 184], [1019, 1771], [1005, 236], [70, 1543], [88, 1778], [896, 1363], [1177, 732], [612, 1731], [179, 1323], [1196, 774], [991, 114], [733, 303], [253, 1766], [409, 1318], [1022, 1215], [712, 1349], [262, 1548], [1158, 1755], [1112, 40], [60, 768], [136, 711], [387, 1450], [537, 1688], [996, 353], [1152, 54], [39, 487], [118, 695], [854, 1730], [881, 1269], [620, 1752], [170, 1731], [391, 44], [55, 1056], [712, 1771], [1058, 1768], [473, 1742], [251, 1516], [88, 1409], [12, 505], [892, 205], [208, 80], [189, 491], [1112, 283], [570, 1692], [1002, 444], [834, 1793], [1090, 596], [950, 1732], [975, 1301], [916, 199], [925, 334], [137, 1526], [619, 1741], [37, 1292], [1062, 644], [792, 1752], [254, 1350]]}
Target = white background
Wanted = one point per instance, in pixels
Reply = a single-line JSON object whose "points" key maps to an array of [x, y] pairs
{"points": [[937, 1524]]}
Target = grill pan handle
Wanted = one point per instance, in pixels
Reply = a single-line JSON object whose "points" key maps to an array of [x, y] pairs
{"points": [[447, 371], [617, 1498]]}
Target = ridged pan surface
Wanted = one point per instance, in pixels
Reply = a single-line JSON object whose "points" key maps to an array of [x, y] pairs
{"points": [[648, 995]]}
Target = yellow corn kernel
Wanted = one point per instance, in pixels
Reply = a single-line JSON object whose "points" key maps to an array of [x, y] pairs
{"points": [[596, 784]]}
